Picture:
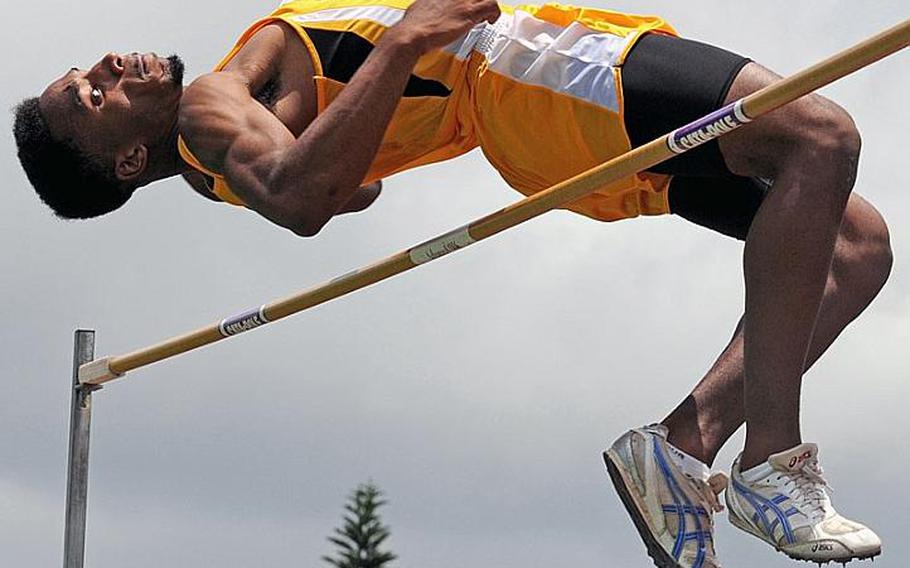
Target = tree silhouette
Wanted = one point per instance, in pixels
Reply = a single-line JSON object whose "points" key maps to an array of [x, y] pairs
{"points": [[360, 538]]}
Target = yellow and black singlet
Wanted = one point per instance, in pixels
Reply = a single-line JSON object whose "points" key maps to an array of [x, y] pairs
{"points": [[539, 91]]}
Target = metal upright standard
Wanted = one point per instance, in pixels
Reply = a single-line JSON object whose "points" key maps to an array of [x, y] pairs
{"points": [[77, 470]]}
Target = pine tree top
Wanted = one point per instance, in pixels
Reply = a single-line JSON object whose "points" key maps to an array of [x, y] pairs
{"points": [[360, 538]]}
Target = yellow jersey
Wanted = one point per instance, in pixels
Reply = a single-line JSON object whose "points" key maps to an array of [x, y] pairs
{"points": [[539, 91]]}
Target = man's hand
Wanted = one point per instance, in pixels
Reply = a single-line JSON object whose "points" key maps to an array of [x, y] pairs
{"points": [[432, 24]]}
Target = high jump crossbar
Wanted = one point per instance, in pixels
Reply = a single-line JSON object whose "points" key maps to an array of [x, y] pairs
{"points": [[658, 150]]}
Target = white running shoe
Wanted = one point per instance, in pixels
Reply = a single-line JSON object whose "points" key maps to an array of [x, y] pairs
{"points": [[672, 510], [785, 503]]}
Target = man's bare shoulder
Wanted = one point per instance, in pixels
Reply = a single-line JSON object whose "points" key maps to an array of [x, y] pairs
{"points": [[209, 111]]}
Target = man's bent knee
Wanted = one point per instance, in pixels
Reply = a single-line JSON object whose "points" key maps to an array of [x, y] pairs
{"points": [[863, 253], [828, 135], [811, 133]]}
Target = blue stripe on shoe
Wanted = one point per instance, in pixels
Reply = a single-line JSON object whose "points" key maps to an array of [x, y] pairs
{"points": [[789, 513], [763, 505], [687, 508], [681, 519]]}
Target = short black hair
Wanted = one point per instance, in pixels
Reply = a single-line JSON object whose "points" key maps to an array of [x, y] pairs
{"points": [[72, 183]]}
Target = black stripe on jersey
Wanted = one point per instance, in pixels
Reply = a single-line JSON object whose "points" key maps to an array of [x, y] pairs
{"points": [[342, 53]]}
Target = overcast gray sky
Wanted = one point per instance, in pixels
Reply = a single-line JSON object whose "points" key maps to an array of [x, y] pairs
{"points": [[478, 391]]}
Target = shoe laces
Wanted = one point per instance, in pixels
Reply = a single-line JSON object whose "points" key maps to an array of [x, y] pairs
{"points": [[808, 487], [711, 489]]}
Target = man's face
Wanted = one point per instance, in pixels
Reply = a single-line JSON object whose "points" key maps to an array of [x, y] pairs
{"points": [[122, 100]]}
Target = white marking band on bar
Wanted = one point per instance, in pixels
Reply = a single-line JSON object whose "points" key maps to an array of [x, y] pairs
{"points": [[708, 128], [243, 322], [441, 246]]}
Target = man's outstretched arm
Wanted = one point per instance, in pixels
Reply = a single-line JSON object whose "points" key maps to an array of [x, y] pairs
{"points": [[302, 183], [362, 198]]}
